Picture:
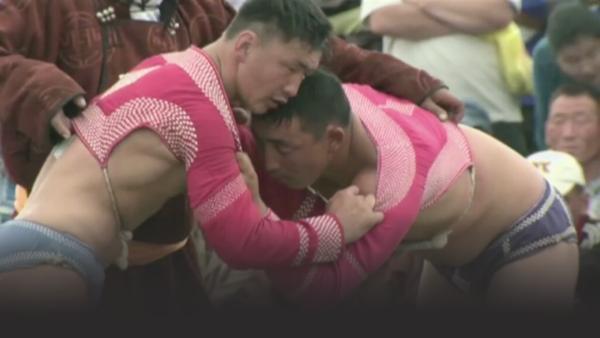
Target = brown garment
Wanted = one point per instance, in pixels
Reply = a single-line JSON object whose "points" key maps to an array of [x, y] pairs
{"points": [[52, 50]]}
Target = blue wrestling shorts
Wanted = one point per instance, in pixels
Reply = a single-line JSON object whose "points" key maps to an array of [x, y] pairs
{"points": [[547, 223], [25, 244]]}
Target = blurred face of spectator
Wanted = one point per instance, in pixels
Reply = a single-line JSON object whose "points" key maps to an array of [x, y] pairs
{"points": [[581, 60], [573, 126]]}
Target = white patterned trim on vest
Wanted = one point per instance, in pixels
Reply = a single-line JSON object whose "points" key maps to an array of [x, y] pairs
{"points": [[306, 207], [303, 249], [329, 244], [453, 158], [197, 65], [396, 155], [102, 132], [222, 199]]}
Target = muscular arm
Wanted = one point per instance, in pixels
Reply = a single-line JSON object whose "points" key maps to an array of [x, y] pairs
{"points": [[32, 88]]}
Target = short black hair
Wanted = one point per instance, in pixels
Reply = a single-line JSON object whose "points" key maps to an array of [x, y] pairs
{"points": [[288, 19], [320, 101], [570, 20], [576, 89]]}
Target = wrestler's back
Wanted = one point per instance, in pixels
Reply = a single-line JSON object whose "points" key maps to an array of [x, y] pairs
{"points": [[506, 187], [70, 193]]}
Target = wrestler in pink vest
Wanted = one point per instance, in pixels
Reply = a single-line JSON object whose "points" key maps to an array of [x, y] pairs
{"points": [[180, 96], [418, 160]]}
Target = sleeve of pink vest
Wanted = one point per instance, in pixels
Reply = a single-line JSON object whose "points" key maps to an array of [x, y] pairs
{"points": [[325, 284], [230, 220]]}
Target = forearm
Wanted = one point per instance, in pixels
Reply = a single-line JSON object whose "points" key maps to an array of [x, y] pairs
{"points": [[468, 16], [406, 21], [245, 238]]}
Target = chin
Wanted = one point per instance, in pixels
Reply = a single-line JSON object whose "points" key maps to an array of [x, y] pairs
{"points": [[259, 109]]}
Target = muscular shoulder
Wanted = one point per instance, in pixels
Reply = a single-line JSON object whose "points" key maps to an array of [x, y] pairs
{"points": [[366, 181]]}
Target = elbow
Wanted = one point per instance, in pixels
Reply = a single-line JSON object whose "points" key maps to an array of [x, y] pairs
{"points": [[377, 24], [502, 18]]}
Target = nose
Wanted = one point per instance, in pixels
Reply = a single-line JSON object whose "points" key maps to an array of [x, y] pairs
{"points": [[569, 129], [291, 89]]}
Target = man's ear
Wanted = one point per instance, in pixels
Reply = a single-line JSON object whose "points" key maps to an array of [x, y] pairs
{"points": [[244, 42], [335, 135]]}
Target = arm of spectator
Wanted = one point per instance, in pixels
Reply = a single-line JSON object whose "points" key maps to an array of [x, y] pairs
{"points": [[32, 88], [403, 20], [470, 17]]}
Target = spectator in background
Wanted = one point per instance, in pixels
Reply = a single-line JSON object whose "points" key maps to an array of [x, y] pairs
{"points": [[573, 126], [568, 54], [533, 20], [446, 37]]}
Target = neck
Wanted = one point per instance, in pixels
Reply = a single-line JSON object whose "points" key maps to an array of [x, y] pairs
{"points": [[357, 154], [218, 52]]}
